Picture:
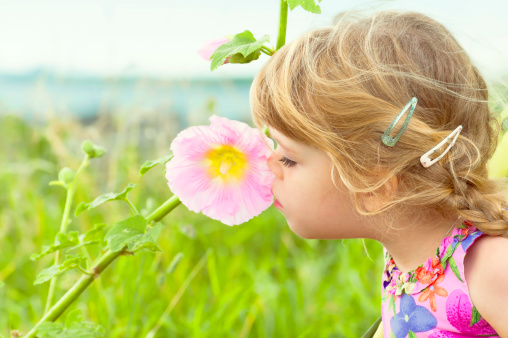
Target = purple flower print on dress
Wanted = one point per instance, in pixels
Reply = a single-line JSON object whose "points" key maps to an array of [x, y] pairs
{"points": [[470, 239], [458, 312], [411, 317]]}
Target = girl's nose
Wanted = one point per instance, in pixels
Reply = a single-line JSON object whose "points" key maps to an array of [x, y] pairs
{"points": [[275, 166]]}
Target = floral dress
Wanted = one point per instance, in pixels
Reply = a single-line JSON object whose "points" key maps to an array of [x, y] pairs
{"points": [[433, 299]]}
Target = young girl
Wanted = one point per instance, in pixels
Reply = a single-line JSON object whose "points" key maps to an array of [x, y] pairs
{"points": [[384, 132]]}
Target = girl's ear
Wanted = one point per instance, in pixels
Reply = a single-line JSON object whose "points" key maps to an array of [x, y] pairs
{"points": [[374, 201]]}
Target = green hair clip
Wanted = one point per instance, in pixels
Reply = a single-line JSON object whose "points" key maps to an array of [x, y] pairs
{"points": [[391, 141]]}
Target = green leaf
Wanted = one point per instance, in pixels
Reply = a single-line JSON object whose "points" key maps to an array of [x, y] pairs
{"points": [[239, 58], [2, 284], [49, 330], [126, 232], [62, 241], [76, 330], [111, 196], [454, 268], [73, 317], [308, 5], [243, 43], [150, 164], [94, 234], [411, 334], [71, 262], [475, 316], [149, 240]]}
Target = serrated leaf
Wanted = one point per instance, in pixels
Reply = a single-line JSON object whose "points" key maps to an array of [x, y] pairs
{"points": [[150, 164], [77, 330], [126, 232], [149, 239], [243, 43], [94, 234], [49, 330], [454, 268], [111, 196], [62, 241], [308, 5], [73, 317], [71, 262], [475, 316]]}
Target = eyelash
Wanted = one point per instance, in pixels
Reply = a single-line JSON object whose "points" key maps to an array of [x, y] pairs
{"points": [[287, 162]]}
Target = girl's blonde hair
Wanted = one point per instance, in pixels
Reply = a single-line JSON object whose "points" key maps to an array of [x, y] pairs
{"points": [[338, 89]]}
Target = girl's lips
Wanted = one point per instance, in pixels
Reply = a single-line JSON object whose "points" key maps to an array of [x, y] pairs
{"points": [[277, 204]]}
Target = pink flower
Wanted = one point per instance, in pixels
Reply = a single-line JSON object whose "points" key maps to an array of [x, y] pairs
{"points": [[210, 47], [221, 170], [458, 313]]}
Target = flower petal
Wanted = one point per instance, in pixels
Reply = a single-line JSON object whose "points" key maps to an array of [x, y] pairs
{"points": [[232, 196]]}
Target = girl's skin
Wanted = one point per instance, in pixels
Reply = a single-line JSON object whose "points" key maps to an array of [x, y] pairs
{"points": [[315, 209]]}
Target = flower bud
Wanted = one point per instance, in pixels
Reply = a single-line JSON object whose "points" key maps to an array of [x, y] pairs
{"points": [[210, 47], [92, 150], [66, 175]]}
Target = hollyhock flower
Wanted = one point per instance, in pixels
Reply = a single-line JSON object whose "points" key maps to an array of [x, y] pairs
{"points": [[221, 170], [210, 47], [412, 317]]}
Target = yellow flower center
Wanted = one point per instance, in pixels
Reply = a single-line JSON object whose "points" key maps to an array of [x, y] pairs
{"points": [[226, 162]]}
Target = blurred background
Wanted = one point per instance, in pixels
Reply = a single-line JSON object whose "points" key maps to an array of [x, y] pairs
{"points": [[126, 75]]}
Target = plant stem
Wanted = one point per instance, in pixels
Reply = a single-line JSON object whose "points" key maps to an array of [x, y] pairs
{"points": [[283, 20], [132, 206], [76, 290], [54, 312], [164, 209], [63, 226], [267, 50]]}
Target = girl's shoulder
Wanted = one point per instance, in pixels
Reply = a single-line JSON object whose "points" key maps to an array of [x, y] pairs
{"points": [[486, 273]]}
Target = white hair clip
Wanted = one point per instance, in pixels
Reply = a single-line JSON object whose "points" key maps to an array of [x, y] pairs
{"points": [[425, 158]]}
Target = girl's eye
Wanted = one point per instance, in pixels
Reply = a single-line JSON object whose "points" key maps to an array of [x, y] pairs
{"points": [[287, 162]]}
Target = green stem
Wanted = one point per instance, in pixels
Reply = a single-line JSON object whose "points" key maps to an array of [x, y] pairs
{"points": [[76, 290], [63, 226], [133, 207], [84, 271], [283, 20], [164, 209], [106, 259], [267, 50]]}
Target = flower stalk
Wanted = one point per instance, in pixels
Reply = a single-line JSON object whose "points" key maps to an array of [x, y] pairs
{"points": [[283, 20], [104, 261], [71, 187]]}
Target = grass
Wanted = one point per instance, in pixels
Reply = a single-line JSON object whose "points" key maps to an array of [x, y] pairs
{"points": [[253, 280]]}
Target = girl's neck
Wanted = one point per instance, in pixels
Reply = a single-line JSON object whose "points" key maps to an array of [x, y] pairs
{"points": [[411, 243]]}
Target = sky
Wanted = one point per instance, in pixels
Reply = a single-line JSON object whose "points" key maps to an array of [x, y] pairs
{"points": [[161, 37]]}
